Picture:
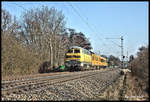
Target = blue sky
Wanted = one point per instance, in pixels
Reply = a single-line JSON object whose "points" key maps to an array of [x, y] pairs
{"points": [[105, 20]]}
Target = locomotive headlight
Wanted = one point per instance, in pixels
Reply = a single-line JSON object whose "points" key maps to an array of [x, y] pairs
{"points": [[82, 64]]}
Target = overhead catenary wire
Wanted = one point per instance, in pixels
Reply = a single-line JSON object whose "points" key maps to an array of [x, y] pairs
{"points": [[82, 18], [85, 22], [90, 26]]}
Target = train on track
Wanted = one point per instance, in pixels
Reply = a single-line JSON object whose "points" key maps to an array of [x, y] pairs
{"points": [[80, 59]]}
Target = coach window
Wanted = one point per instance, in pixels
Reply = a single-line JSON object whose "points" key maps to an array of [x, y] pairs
{"points": [[102, 60], [76, 51]]}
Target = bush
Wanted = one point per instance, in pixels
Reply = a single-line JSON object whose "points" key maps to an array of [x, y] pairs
{"points": [[139, 65], [17, 59]]}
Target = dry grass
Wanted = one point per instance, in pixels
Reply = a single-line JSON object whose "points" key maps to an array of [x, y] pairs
{"points": [[113, 91], [130, 88], [140, 68], [135, 89]]}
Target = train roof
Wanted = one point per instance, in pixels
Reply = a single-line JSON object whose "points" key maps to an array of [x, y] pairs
{"points": [[79, 48], [76, 47], [98, 55], [84, 50], [87, 50]]}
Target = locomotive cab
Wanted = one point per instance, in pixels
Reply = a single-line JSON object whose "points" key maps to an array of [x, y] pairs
{"points": [[72, 59], [77, 57]]}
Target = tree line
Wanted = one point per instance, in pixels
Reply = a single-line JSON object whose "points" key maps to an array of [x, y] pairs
{"points": [[43, 32], [139, 65]]}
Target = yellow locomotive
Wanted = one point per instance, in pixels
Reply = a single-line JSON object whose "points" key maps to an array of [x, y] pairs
{"points": [[78, 58]]}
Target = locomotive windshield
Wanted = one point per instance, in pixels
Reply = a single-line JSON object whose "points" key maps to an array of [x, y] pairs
{"points": [[76, 51], [70, 51]]}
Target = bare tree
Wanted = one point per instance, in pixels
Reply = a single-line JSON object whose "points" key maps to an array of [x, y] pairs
{"points": [[6, 21], [140, 66], [41, 27]]}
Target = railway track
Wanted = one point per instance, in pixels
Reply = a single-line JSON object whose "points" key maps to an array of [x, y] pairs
{"points": [[18, 78], [42, 82]]}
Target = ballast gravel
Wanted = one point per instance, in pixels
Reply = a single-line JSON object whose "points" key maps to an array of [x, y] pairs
{"points": [[86, 88]]}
